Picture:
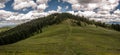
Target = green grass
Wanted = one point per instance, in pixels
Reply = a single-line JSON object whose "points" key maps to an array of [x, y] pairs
{"points": [[65, 39], [4, 29]]}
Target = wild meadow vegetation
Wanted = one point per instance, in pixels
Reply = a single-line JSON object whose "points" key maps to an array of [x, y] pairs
{"points": [[4, 29], [61, 34]]}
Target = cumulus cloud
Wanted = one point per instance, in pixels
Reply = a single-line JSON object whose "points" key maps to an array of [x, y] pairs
{"points": [[103, 9], [42, 7], [82, 4], [109, 5], [117, 12], [52, 11], [59, 9], [76, 6], [71, 12], [42, 1], [2, 3], [33, 14], [71, 1], [66, 7], [23, 4], [103, 14], [39, 6], [5, 14], [92, 4], [30, 15], [90, 1]]}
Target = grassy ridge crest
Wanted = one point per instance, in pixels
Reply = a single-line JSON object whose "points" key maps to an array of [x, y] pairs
{"points": [[26, 30]]}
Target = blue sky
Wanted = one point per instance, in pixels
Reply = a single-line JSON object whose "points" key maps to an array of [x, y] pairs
{"points": [[30, 9], [118, 7], [52, 5], [9, 7], [99, 10]]}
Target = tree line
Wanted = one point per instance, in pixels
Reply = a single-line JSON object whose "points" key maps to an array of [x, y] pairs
{"points": [[28, 29]]}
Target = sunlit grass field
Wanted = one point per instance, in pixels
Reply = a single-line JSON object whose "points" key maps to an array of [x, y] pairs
{"points": [[4, 29], [67, 39]]}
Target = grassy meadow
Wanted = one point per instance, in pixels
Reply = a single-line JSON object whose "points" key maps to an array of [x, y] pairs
{"points": [[4, 29], [67, 39]]}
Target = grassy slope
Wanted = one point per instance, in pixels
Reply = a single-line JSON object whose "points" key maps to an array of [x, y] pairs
{"points": [[3, 29], [65, 39]]}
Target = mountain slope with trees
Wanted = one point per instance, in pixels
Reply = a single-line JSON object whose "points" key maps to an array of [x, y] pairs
{"points": [[67, 38], [26, 30], [61, 34]]}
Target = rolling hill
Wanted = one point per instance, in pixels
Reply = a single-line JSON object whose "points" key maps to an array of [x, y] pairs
{"points": [[64, 38]]}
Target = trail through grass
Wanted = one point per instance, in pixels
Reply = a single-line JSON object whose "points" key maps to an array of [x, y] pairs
{"points": [[66, 39]]}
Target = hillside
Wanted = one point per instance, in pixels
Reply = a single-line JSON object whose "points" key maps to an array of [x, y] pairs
{"points": [[4, 29], [64, 38]]}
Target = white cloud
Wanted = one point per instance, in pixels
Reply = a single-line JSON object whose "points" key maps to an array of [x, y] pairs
{"points": [[112, 1], [59, 9], [16, 17], [88, 13], [5, 14], [92, 4], [42, 1], [103, 16], [103, 6], [107, 5], [41, 7], [52, 11], [71, 12], [85, 13], [66, 7], [117, 12], [23, 4], [71, 1], [31, 15], [103, 12], [2, 3], [76, 6]]}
